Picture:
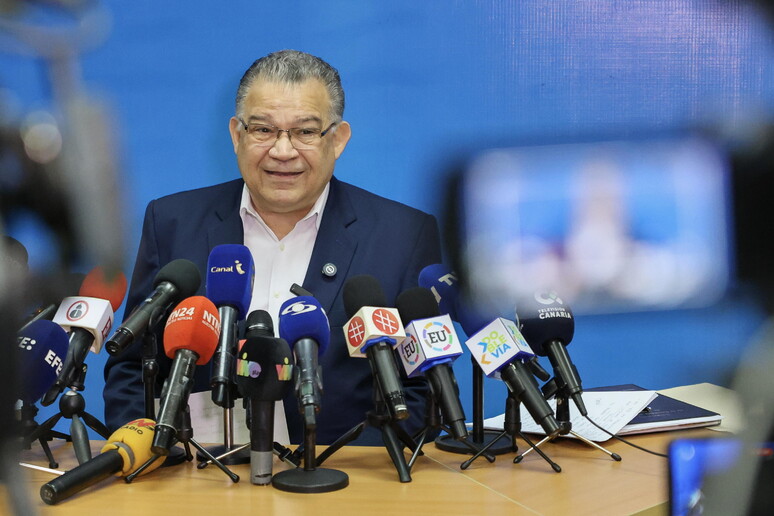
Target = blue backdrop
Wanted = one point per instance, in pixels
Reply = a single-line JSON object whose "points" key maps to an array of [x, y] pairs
{"points": [[425, 80]]}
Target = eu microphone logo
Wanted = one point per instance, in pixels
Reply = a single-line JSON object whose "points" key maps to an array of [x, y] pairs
{"points": [[409, 350], [438, 336]]}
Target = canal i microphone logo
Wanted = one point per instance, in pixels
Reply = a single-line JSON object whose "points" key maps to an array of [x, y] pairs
{"points": [[438, 336], [237, 267]]}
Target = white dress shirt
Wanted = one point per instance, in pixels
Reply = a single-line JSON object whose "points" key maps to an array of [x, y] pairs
{"points": [[278, 264]]}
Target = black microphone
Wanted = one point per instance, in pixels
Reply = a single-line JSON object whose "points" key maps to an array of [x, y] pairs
{"points": [[372, 331], [177, 280], [264, 369], [548, 326], [190, 338], [430, 348]]}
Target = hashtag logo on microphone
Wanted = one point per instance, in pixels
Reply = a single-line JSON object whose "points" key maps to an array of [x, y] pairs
{"points": [[356, 332], [385, 321]]}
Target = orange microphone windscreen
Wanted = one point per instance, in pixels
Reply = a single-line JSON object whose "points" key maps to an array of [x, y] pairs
{"points": [[133, 442], [194, 324], [111, 287]]}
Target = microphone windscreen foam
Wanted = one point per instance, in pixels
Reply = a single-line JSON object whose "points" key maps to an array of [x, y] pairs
{"points": [[259, 323], [183, 274], [42, 350], [264, 368], [416, 303], [133, 442], [111, 287], [544, 317], [230, 273], [360, 291], [446, 286], [302, 317], [194, 324]]}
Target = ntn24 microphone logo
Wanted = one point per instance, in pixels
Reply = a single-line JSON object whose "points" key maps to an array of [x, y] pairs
{"points": [[187, 313]]}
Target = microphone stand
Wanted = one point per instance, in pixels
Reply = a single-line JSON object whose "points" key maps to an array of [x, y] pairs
{"points": [[28, 426], [310, 479], [486, 439], [433, 422], [556, 387], [392, 433], [72, 406], [184, 435], [512, 428], [150, 370]]}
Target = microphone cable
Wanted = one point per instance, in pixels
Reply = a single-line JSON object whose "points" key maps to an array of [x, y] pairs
{"points": [[624, 440]]}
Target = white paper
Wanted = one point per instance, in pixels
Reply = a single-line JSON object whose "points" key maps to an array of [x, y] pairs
{"points": [[612, 410]]}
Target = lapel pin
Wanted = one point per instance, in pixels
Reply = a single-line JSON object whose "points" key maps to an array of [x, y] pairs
{"points": [[329, 270]]}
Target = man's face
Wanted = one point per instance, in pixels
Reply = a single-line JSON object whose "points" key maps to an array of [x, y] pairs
{"points": [[283, 179]]}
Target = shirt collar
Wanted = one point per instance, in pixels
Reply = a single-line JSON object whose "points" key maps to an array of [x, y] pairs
{"points": [[246, 206]]}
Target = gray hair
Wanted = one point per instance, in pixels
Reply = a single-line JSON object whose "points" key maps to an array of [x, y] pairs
{"points": [[292, 67]]}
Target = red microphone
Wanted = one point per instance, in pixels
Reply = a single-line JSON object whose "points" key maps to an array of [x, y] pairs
{"points": [[190, 338], [110, 286]]}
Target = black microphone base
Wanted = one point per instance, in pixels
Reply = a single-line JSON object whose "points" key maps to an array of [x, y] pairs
{"points": [[320, 480], [240, 457], [176, 456], [450, 444]]}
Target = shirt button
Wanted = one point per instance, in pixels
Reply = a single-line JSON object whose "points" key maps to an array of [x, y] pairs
{"points": [[276, 295], [282, 247]]}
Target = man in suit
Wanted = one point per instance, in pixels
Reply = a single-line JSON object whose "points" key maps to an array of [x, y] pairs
{"points": [[301, 224]]}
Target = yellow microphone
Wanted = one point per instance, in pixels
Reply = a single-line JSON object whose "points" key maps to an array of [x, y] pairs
{"points": [[126, 449]]}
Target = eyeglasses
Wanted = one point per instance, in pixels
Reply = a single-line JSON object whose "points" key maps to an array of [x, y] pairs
{"points": [[300, 137]]}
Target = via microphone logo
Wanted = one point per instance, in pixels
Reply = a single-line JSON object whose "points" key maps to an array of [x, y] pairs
{"points": [[494, 344]]}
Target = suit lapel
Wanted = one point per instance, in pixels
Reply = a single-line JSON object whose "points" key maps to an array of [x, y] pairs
{"points": [[333, 246], [226, 227]]}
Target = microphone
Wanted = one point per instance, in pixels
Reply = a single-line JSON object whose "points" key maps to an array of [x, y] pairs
{"points": [[500, 350], [63, 285], [127, 447], [373, 330], [190, 337], [444, 284], [177, 280], [264, 368], [42, 349], [230, 274], [88, 317], [304, 325], [430, 348], [548, 325]]}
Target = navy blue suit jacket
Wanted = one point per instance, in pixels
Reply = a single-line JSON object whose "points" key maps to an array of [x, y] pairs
{"points": [[360, 233]]}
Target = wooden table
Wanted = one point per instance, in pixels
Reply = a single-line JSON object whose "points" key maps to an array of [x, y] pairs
{"points": [[590, 483]]}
